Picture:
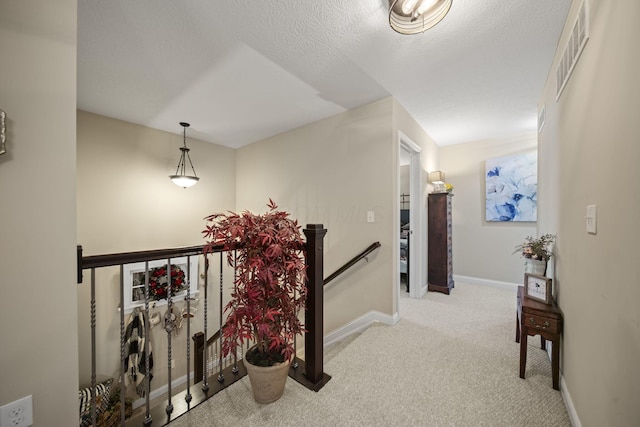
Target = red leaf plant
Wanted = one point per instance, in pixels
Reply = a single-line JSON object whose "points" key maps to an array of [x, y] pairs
{"points": [[270, 286]]}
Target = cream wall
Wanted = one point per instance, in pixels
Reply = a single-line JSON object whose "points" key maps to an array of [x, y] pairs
{"points": [[37, 219], [332, 172], [404, 179], [594, 130], [481, 249], [126, 202], [124, 190]]}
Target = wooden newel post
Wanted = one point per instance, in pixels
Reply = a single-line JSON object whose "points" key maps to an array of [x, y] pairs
{"points": [[79, 262], [198, 355], [314, 312]]}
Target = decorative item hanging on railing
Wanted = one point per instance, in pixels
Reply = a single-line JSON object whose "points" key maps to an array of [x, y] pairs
{"points": [[158, 281]]}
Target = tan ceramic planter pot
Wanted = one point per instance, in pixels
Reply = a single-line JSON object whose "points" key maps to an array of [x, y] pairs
{"points": [[268, 382]]}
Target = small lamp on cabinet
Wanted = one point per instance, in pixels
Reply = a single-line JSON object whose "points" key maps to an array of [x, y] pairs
{"points": [[437, 179]]}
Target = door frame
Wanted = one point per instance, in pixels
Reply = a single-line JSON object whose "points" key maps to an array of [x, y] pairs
{"points": [[417, 219]]}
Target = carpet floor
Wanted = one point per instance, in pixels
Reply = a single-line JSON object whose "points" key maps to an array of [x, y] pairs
{"points": [[451, 360]]}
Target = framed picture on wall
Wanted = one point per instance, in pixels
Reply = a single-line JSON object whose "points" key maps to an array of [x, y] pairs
{"points": [[511, 191]]}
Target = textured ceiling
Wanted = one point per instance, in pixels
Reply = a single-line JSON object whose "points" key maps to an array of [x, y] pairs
{"points": [[240, 71]]}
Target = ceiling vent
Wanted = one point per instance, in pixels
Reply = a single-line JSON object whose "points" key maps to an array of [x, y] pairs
{"points": [[573, 49]]}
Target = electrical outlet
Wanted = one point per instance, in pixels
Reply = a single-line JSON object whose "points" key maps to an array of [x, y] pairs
{"points": [[18, 413], [371, 216], [173, 364]]}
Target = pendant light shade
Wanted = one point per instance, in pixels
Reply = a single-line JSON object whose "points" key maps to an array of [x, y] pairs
{"points": [[181, 178], [416, 16]]}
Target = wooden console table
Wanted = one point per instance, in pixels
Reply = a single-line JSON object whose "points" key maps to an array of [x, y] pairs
{"points": [[536, 318]]}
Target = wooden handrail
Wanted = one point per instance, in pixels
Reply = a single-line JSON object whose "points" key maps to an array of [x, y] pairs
{"points": [[109, 260], [351, 262]]}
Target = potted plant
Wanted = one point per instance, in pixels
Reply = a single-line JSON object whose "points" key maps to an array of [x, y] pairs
{"points": [[536, 253], [268, 293]]}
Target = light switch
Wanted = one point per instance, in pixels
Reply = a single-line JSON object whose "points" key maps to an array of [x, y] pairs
{"points": [[370, 216], [590, 219]]}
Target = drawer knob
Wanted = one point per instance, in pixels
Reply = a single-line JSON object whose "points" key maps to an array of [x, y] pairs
{"points": [[545, 325]]}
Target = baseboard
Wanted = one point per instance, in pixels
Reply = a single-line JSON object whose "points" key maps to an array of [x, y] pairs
{"points": [[568, 403], [358, 325], [486, 282], [161, 391]]}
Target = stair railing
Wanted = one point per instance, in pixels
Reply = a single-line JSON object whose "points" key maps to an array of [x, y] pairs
{"points": [[309, 371]]}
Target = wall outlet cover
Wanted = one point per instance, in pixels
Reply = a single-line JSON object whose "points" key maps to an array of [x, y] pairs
{"points": [[591, 220], [18, 413]]}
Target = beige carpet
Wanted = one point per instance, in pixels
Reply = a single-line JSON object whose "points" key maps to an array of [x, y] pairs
{"points": [[450, 361]]}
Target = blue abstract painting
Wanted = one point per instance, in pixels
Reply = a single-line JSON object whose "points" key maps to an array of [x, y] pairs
{"points": [[512, 188]]}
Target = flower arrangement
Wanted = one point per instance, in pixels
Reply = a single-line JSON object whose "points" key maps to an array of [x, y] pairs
{"points": [[158, 281], [536, 248], [448, 187]]}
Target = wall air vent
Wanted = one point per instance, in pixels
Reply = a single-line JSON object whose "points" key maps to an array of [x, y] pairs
{"points": [[541, 118], [573, 49]]}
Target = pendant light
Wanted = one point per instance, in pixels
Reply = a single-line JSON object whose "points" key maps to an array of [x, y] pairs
{"points": [[181, 179], [416, 16]]}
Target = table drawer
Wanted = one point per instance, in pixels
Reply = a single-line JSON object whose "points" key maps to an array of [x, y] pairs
{"points": [[541, 323]]}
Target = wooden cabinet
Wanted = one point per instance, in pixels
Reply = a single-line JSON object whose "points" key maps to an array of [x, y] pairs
{"points": [[440, 271]]}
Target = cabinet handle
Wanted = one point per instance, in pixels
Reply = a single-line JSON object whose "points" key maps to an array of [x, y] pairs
{"points": [[545, 325]]}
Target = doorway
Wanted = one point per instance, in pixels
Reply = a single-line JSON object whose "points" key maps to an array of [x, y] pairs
{"points": [[410, 231]]}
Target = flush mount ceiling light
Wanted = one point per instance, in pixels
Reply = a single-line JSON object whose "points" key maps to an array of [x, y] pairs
{"points": [[416, 16], [181, 178]]}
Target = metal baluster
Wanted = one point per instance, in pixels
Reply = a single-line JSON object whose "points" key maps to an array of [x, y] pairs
{"points": [[147, 417], [220, 375], [168, 326], [235, 369], [295, 365], [93, 346], [205, 384], [187, 397], [122, 349]]}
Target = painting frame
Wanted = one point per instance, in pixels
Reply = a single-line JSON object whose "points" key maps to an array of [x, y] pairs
{"points": [[133, 278], [538, 288], [511, 188]]}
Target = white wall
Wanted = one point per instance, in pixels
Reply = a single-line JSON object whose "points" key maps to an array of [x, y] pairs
{"points": [[39, 354], [594, 130], [126, 202], [482, 249]]}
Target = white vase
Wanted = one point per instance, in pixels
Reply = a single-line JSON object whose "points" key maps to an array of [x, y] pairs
{"points": [[535, 266]]}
